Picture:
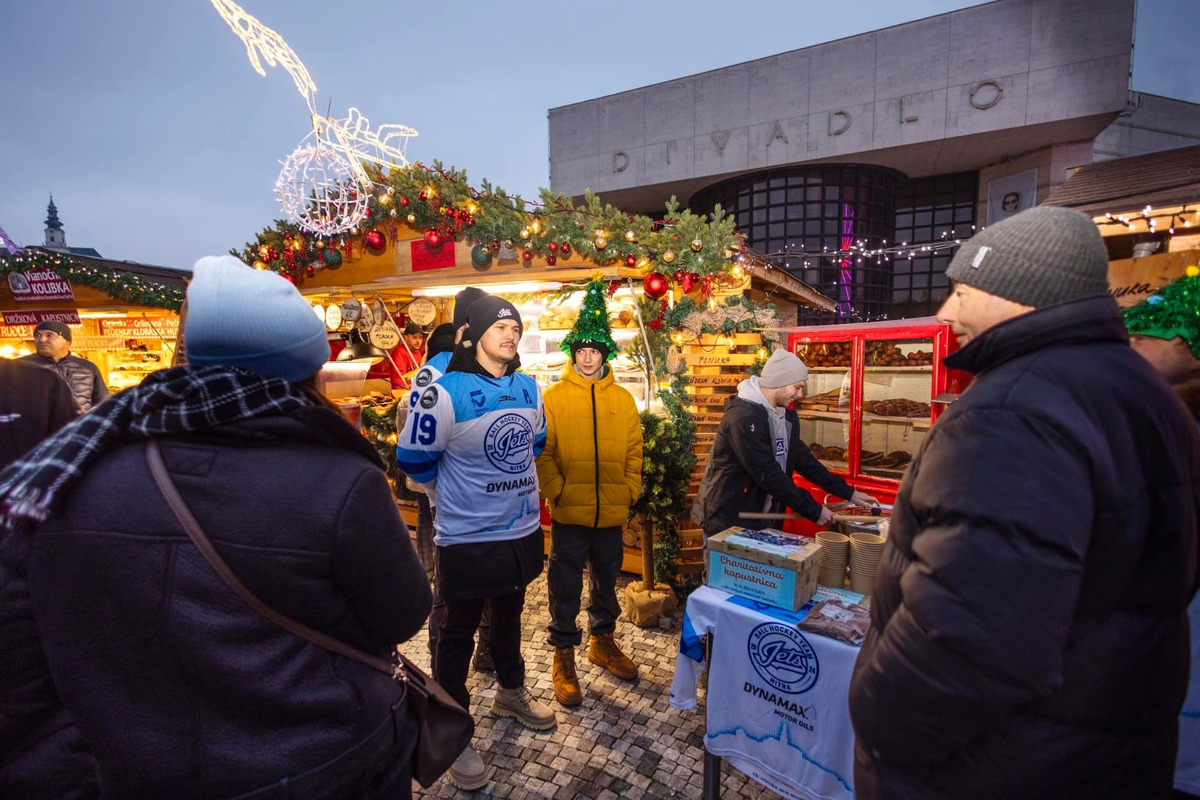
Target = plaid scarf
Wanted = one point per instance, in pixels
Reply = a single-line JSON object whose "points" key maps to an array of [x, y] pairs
{"points": [[171, 401]]}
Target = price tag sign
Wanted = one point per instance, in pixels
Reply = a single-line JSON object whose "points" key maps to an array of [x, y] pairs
{"points": [[385, 335], [422, 311], [350, 310], [333, 316]]}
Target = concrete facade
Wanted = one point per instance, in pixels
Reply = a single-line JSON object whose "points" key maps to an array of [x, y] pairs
{"points": [[945, 94]]}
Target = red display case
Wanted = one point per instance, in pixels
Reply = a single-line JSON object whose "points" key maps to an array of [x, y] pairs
{"points": [[874, 390]]}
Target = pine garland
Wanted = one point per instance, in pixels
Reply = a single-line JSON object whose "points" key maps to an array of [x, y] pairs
{"points": [[1172, 311]]}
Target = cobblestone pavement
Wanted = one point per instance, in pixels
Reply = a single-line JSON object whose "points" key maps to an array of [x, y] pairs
{"points": [[624, 741]]}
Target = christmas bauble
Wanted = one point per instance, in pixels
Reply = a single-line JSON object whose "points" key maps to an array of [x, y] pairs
{"points": [[331, 257], [411, 218], [668, 256], [688, 281], [566, 249], [552, 259], [600, 243], [374, 240], [552, 247], [494, 244], [433, 239], [420, 195], [631, 261], [655, 285], [526, 255], [404, 201], [697, 244], [481, 256], [679, 274]]}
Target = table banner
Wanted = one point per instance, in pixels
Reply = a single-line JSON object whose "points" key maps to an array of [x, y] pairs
{"points": [[777, 697]]}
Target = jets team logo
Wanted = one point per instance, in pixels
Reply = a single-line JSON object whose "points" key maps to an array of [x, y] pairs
{"points": [[782, 657], [423, 378], [509, 444], [429, 397]]}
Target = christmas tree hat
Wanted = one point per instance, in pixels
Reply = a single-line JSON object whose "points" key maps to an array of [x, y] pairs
{"points": [[591, 328], [1173, 310]]}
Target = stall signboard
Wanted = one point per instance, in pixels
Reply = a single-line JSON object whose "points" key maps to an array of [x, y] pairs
{"points": [[38, 286], [68, 315], [423, 258], [156, 328], [1132, 280]]}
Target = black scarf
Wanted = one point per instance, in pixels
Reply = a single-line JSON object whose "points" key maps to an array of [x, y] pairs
{"points": [[171, 401]]}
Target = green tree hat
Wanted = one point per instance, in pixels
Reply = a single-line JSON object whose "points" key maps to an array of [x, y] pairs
{"points": [[1172, 311]]}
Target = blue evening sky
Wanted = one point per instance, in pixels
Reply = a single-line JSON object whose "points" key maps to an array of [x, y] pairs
{"points": [[161, 144]]}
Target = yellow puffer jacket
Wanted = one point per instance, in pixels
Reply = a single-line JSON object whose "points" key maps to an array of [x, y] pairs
{"points": [[591, 470]]}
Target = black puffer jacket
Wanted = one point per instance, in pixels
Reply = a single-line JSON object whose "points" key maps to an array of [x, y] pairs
{"points": [[179, 688], [87, 386], [742, 473], [1029, 635]]}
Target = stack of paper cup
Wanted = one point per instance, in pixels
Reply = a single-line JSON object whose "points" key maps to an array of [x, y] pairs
{"points": [[865, 551], [835, 549]]}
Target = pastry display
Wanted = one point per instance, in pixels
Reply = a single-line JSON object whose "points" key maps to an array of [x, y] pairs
{"points": [[897, 459], [824, 354], [889, 354], [833, 400], [897, 407]]}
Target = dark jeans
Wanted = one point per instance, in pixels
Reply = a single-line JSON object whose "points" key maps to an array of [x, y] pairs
{"points": [[437, 618], [571, 546], [456, 641]]}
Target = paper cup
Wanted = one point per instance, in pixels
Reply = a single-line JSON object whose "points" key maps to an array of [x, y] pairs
{"points": [[862, 582], [832, 576]]}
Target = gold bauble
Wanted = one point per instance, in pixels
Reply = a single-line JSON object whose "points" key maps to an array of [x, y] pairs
{"points": [[697, 244], [668, 256], [600, 243]]}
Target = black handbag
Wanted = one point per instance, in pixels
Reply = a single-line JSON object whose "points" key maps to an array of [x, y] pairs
{"points": [[444, 728]]}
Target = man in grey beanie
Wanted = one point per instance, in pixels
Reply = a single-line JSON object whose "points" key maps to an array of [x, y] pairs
{"points": [[53, 342], [756, 451], [1033, 591]]}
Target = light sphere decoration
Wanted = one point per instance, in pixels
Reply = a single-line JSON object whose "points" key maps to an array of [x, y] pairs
{"points": [[320, 192]]}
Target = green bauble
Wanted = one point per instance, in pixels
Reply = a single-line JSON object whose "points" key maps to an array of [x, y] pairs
{"points": [[481, 256], [332, 257]]}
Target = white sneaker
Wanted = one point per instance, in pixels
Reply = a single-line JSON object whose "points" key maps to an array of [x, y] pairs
{"points": [[468, 771], [525, 708]]}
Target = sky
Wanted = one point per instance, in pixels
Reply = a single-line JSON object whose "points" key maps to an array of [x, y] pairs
{"points": [[161, 144]]}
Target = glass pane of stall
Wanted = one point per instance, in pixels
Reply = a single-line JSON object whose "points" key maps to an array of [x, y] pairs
{"points": [[897, 387], [824, 410]]}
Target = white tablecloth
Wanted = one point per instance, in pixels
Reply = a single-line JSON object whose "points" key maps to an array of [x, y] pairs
{"points": [[777, 697]]}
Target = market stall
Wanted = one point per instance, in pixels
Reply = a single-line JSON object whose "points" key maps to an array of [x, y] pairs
{"points": [[124, 317]]}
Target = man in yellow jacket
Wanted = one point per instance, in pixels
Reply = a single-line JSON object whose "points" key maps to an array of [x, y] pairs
{"points": [[590, 474]]}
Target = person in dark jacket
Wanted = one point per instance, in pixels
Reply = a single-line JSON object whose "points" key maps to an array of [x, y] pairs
{"points": [[34, 403], [178, 687], [1028, 630], [53, 342], [756, 451]]}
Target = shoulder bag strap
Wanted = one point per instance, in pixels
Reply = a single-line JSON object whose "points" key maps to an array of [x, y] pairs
{"points": [[184, 514]]}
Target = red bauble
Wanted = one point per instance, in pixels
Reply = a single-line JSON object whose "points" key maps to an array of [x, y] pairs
{"points": [[433, 239], [566, 249], [527, 255], [404, 201], [631, 261], [687, 282], [421, 196], [309, 271], [655, 285], [495, 245], [552, 247], [374, 240], [470, 221], [552, 259], [679, 274]]}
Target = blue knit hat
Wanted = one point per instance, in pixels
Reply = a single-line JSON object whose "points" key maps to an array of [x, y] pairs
{"points": [[253, 320]]}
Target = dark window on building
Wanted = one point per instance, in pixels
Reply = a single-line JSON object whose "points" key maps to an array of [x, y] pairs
{"points": [[929, 212]]}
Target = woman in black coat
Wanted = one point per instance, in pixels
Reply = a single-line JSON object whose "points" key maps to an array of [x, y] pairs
{"points": [[178, 687]]}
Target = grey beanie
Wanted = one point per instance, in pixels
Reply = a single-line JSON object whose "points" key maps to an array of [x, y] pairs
{"points": [[1040, 257], [782, 369], [463, 301], [54, 325]]}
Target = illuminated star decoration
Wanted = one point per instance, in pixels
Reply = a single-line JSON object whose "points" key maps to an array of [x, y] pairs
{"points": [[322, 186]]}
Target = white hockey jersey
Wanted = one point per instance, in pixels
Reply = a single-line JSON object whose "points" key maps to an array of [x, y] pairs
{"points": [[475, 438]]}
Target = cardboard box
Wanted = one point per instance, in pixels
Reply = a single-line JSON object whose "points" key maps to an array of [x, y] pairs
{"points": [[769, 566]]}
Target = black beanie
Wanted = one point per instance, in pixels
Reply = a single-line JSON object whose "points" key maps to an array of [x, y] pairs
{"points": [[486, 312], [54, 325], [579, 344], [463, 301], [440, 341]]}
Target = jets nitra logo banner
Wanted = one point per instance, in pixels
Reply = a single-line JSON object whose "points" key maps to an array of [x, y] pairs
{"points": [[508, 444], [782, 657]]}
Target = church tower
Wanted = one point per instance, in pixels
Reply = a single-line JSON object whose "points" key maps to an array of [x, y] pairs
{"points": [[56, 239]]}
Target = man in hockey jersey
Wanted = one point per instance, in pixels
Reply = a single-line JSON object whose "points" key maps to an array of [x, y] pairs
{"points": [[471, 440]]}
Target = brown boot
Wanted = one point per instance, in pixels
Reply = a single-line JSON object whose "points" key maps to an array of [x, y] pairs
{"points": [[604, 652], [566, 683]]}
